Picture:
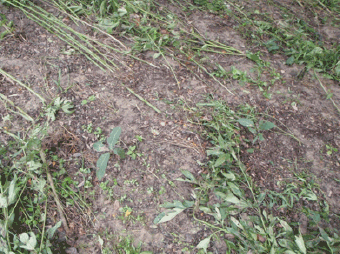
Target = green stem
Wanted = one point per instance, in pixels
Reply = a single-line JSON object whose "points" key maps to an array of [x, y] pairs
{"points": [[142, 99], [44, 226], [334, 104], [22, 84], [205, 70]]}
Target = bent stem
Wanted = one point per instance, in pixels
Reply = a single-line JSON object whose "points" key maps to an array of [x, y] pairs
{"points": [[142, 99]]}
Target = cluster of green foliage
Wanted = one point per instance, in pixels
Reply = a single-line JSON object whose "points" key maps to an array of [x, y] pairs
{"points": [[243, 209], [24, 191]]}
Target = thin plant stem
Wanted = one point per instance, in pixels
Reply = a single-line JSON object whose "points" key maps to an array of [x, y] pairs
{"points": [[22, 84], [206, 71], [325, 90], [142, 99]]}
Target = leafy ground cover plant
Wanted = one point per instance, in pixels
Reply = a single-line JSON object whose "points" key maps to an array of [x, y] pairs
{"points": [[23, 197], [294, 37], [243, 209], [26, 183]]}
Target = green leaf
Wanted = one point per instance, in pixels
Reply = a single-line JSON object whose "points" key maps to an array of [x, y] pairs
{"points": [[39, 184], [102, 164], [12, 192], [188, 175], [261, 138], [178, 204], [235, 189], [204, 244], [254, 57], [119, 151], [324, 235], [309, 195], [273, 48], [220, 160], [50, 232], [101, 241], [246, 122], [122, 11], [290, 60], [67, 107], [214, 152], [301, 243], [114, 137], [98, 146], [33, 165], [285, 225], [266, 126], [261, 197], [337, 69], [167, 215], [156, 55], [24, 238], [229, 176], [329, 96], [102, 8], [3, 201], [29, 241], [58, 102], [283, 243], [188, 204], [231, 198], [252, 130], [92, 98], [236, 222], [10, 220]]}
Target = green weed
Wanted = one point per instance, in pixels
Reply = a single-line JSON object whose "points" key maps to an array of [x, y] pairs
{"points": [[293, 37], [243, 209], [104, 158], [6, 25], [124, 245], [23, 196]]}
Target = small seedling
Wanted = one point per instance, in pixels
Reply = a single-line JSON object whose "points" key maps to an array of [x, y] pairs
{"points": [[8, 26], [150, 190], [52, 109], [132, 152], [91, 98], [132, 182], [104, 158], [88, 128], [263, 126], [139, 138], [331, 150]]}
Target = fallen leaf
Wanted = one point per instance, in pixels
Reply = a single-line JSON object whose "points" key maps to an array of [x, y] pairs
{"points": [[127, 213]]}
